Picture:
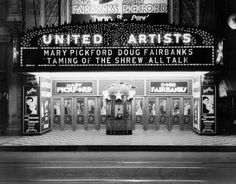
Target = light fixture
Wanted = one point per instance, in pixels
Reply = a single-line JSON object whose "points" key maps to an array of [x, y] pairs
{"points": [[232, 21]]}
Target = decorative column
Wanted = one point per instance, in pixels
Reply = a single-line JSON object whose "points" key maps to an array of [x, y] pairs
{"points": [[14, 21]]}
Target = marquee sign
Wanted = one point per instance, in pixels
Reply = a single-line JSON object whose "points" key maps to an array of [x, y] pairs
{"points": [[74, 87], [115, 46]]}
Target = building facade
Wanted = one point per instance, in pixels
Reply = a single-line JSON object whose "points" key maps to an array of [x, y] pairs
{"points": [[153, 65]]}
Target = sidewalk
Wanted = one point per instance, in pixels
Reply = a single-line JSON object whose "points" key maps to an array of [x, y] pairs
{"points": [[139, 137]]}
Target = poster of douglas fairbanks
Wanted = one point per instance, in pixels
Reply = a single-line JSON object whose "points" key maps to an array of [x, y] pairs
{"points": [[154, 11]]}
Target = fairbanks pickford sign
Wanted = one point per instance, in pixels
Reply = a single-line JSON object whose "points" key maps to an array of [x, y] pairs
{"points": [[116, 46]]}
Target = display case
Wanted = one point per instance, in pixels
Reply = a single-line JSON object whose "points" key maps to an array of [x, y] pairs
{"points": [[36, 105]]}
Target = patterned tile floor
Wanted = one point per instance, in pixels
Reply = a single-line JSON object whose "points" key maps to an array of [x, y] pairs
{"points": [[139, 137]]}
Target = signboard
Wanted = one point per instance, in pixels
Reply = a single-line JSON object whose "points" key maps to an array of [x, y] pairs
{"points": [[78, 58], [169, 87], [208, 114], [115, 46], [99, 10], [74, 87], [31, 124]]}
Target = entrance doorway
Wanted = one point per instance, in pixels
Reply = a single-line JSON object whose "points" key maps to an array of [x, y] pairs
{"points": [[169, 113], [74, 112]]}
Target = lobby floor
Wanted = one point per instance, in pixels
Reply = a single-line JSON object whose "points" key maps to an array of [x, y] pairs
{"points": [[139, 137]]}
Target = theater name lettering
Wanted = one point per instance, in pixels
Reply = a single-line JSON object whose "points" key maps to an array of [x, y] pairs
{"points": [[96, 39]]}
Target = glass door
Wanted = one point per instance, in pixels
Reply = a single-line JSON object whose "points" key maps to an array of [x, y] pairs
{"points": [[91, 105], [80, 112], [56, 117], [151, 113], [163, 113], [176, 113], [138, 111], [68, 112], [188, 114]]}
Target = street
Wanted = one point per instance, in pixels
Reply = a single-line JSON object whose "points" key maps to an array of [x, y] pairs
{"points": [[117, 167]]}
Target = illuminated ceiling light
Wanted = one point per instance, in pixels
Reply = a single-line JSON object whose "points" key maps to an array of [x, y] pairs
{"points": [[232, 21], [117, 75]]}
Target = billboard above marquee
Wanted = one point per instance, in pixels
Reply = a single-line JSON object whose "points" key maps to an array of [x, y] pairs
{"points": [[117, 46], [98, 10]]}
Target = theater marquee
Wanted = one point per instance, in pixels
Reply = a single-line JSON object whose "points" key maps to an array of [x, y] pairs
{"points": [[123, 46]]}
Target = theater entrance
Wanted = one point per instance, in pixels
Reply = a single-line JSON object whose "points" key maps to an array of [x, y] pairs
{"points": [[74, 112], [169, 113]]}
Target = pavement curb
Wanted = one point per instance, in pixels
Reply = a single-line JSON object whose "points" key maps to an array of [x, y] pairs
{"points": [[121, 148]]}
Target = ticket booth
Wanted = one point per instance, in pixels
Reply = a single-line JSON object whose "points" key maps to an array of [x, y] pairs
{"points": [[119, 97]]}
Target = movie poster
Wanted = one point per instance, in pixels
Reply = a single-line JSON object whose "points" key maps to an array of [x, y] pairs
{"points": [[208, 115], [138, 107], [31, 118], [31, 105]]}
